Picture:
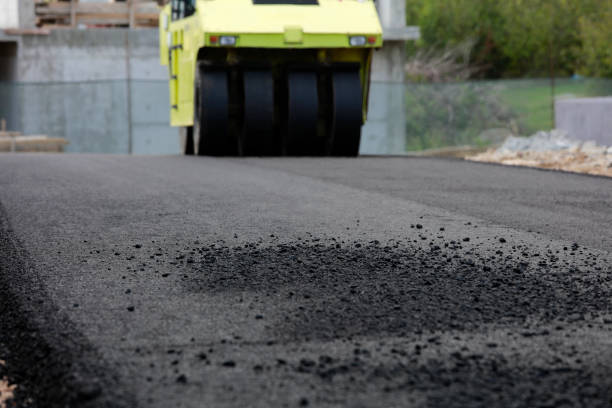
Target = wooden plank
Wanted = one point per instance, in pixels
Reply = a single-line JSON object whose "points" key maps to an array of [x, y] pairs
{"points": [[106, 20], [26, 31], [92, 8], [129, 13], [40, 143], [4, 134], [63, 8]]}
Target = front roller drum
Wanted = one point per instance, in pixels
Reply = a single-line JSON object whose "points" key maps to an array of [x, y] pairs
{"points": [[211, 113], [347, 113], [303, 114], [258, 127]]}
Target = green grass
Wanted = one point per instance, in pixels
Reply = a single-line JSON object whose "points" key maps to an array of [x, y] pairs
{"points": [[531, 100], [457, 114]]}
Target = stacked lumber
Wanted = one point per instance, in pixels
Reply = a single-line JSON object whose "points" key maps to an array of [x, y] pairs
{"points": [[38, 143], [16, 142], [132, 13]]}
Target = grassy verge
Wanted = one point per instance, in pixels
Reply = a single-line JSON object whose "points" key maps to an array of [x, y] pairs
{"points": [[457, 114], [531, 100]]}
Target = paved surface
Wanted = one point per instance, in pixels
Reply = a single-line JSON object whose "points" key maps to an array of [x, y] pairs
{"points": [[187, 282]]}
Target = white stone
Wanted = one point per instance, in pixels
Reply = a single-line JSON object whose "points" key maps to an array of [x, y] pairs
{"points": [[541, 142], [591, 148], [586, 118]]}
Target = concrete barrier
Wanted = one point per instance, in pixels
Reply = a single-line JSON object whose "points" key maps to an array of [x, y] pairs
{"points": [[75, 84], [586, 119]]}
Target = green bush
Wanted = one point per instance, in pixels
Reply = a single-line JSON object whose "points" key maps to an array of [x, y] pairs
{"points": [[516, 38], [596, 36]]}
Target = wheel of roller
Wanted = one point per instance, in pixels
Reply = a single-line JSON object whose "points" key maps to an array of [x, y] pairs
{"points": [[302, 114], [211, 114], [258, 124], [186, 136], [347, 113]]}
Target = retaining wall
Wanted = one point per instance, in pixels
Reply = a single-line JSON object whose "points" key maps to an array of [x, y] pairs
{"points": [[104, 90], [586, 119]]}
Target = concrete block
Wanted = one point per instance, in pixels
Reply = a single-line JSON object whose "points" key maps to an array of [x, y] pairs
{"points": [[586, 119], [90, 55], [155, 139], [27, 14], [150, 102], [392, 13], [91, 116], [388, 62]]}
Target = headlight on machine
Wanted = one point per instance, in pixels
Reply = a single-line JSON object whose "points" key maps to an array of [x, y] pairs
{"points": [[227, 41], [358, 41]]}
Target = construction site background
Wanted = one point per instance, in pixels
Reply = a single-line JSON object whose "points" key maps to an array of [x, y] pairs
{"points": [[76, 70]]}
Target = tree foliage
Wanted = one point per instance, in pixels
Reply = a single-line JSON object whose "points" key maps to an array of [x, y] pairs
{"points": [[516, 38], [596, 36]]}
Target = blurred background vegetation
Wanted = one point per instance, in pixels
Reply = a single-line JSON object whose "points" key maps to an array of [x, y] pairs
{"points": [[490, 64], [520, 38]]}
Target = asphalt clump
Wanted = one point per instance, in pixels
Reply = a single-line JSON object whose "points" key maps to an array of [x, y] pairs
{"points": [[339, 290], [335, 290]]}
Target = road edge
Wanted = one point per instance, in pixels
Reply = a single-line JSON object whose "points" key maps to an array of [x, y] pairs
{"points": [[53, 364]]}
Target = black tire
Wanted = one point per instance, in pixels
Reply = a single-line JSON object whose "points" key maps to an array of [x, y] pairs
{"points": [[303, 114], [258, 131], [211, 113], [186, 136], [347, 113]]}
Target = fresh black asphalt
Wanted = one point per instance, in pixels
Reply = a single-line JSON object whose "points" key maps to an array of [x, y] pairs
{"points": [[374, 282]]}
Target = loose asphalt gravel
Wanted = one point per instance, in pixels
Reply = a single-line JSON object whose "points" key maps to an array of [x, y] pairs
{"points": [[376, 282]]}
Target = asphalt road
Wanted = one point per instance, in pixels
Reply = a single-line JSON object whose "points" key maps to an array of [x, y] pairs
{"points": [[376, 282]]}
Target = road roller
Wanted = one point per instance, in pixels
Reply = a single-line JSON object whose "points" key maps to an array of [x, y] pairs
{"points": [[269, 77]]}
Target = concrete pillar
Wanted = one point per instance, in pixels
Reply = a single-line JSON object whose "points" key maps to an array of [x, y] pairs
{"points": [[27, 14], [392, 13], [384, 132]]}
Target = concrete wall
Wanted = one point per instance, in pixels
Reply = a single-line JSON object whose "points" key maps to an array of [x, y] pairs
{"points": [[90, 55], [384, 132], [86, 85], [586, 119], [388, 62], [27, 15], [392, 13]]}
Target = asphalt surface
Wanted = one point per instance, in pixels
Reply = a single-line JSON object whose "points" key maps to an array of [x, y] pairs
{"points": [[376, 282]]}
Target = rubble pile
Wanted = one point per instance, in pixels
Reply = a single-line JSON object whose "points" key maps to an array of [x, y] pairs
{"points": [[551, 150]]}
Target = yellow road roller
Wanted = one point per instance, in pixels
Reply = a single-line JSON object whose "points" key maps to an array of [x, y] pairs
{"points": [[269, 77]]}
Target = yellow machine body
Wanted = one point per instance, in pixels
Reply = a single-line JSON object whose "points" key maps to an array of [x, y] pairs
{"points": [[281, 34]]}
